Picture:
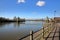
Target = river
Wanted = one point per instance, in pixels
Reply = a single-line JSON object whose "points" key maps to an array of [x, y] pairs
{"points": [[15, 31]]}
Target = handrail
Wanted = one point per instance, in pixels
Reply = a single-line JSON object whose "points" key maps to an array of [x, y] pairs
{"points": [[46, 29], [42, 32], [29, 35]]}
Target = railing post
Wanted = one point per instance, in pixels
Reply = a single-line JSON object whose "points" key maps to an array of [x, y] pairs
{"points": [[48, 27], [31, 35], [43, 31]]}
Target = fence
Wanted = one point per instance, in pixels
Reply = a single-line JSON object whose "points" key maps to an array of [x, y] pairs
{"points": [[41, 34]]}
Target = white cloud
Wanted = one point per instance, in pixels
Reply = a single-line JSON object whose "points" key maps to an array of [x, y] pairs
{"points": [[21, 1], [40, 3]]}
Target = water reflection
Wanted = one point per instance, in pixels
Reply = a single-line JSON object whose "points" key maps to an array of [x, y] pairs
{"points": [[17, 24], [17, 30], [3, 24]]}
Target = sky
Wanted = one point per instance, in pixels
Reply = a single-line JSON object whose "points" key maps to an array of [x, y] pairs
{"points": [[34, 9]]}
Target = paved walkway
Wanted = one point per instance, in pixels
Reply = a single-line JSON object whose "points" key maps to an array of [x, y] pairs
{"points": [[55, 34]]}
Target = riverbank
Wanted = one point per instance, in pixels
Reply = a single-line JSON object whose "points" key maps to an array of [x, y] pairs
{"points": [[11, 20]]}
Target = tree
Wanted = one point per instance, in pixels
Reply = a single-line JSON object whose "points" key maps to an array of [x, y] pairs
{"points": [[47, 19]]}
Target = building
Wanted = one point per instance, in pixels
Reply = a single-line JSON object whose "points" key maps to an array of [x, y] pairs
{"points": [[57, 19]]}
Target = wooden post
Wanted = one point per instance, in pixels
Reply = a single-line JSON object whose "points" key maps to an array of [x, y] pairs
{"points": [[43, 31], [31, 35], [48, 27]]}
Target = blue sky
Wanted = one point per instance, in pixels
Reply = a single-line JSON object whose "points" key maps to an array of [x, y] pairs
{"points": [[29, 8]]}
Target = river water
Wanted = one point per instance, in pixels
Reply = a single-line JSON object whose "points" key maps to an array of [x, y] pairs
{"points": [[15, 31]]}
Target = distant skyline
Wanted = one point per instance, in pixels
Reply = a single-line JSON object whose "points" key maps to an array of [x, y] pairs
{"points": [[35, 9]]}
